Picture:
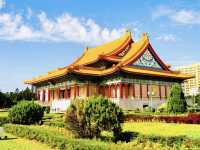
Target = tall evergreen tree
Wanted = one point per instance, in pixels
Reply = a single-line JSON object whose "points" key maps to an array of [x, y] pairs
{"points": [[176, 102]]}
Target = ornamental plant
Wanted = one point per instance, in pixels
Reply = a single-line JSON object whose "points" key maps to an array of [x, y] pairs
{"points": [[176, 102], [26, 112], [88, 117]]}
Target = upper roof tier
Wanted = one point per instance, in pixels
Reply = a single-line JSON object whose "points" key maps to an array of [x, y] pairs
{"points": [[91, 55], [127, 56]]}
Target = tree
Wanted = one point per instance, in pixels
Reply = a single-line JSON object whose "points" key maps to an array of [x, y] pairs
{"points": [[88, 117], [176, 102], [5, 101], [197, 99]]}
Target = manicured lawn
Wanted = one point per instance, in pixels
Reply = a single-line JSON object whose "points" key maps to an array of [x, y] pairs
{"points": [[3, 113], [164, 129], [15, 143]]}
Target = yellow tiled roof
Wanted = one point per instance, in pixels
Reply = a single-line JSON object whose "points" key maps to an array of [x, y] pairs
{"points": [[50, 75], [172, 74], [94, 72], [135, 49], [92, 54]]}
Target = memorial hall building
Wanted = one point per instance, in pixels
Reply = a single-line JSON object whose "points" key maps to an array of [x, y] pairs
{"points": [[128, 72]]}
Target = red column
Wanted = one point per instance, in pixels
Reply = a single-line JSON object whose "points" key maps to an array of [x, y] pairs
{"points": [[70, 89], [49, 94], [121, 90], [160, 91], [147, 91], [103, 91], [43, 96], [87, 90], [109, 91], [126, 90], [165, 91], [38, 95], [140, 90], [98, 90], [133, 86], [66, 94], [58, 93], [78, 90], [75, 90], [115, 86]]}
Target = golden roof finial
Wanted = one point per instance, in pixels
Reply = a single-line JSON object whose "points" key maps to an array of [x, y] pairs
{"points": [[144, 34], [127, 30], [85, 49]]}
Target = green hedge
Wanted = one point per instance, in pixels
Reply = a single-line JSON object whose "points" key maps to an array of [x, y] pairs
{"points": [[3, 120], [52, 139], [63, 142]]}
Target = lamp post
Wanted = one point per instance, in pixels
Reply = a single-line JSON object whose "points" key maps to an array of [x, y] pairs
{"points": [[151, 94]]}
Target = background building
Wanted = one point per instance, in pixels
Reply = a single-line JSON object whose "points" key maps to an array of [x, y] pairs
{"points": [[191, 86]]}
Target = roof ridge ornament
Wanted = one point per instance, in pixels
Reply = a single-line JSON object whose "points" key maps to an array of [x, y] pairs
{"points": [[145, 34], [85, 49]]}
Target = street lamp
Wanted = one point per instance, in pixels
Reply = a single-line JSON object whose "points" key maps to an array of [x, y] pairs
{"points": [[151, 94]]}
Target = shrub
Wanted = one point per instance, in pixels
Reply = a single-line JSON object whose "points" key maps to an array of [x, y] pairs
{"points": [[75, 118], [102, 114], [46, 109], [162, 108], [87, 118], [26, 112], [176, 102], [149, 109], [3, 120]]}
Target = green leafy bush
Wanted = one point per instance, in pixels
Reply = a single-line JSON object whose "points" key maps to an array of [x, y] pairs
{"points": [[162, 108], [87, 118], [26, 112], [102, 114], [149, 109], [46, 109], [75, 118], [176, 102], [3, 120]]}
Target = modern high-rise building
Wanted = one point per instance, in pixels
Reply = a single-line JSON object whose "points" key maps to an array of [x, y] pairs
{"points": [[191, 86]]}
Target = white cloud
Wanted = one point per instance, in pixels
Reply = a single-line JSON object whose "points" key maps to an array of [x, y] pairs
{"points": [[64, 28], [166, 38], [178, 16], [2, 3], [29, 13]]}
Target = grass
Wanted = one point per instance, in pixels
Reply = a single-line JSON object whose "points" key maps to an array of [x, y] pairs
{"points": [[15, 143], [163, 129], [3, 113]]}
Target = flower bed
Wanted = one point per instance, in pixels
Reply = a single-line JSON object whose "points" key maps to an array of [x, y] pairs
{"points": [[191, 118]]}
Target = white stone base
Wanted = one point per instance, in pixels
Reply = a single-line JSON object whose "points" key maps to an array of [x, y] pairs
{"points": [[60, 105], [132, 104]]}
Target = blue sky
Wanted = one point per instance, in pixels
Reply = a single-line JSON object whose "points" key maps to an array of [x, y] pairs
{"points": [[38, 36]]}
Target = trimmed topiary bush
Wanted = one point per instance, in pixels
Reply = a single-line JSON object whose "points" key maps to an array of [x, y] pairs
{"points": [[87, 118], [102, 114], [162, 108], [26, 112], [75, 118], [176, 102]]}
